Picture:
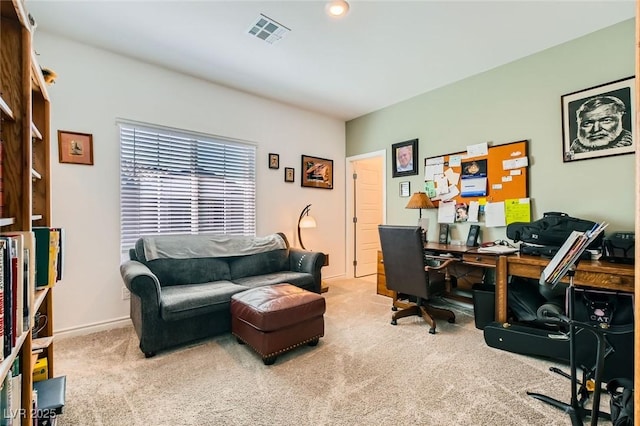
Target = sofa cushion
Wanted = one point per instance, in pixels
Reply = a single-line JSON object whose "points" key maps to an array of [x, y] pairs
{"points": [[189, 300], [189, 271], [260, 263], [299, 279]]}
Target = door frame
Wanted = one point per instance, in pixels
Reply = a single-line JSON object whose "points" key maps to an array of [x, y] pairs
{"points": [[349, 206]]}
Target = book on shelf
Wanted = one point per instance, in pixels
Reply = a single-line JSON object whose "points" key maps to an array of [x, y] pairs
{"points": [[16, 400], [17, 276], [49, 255], [29, 276], [569, 253], [14, 288], [11, 398], [41, 343], [51, 394], [7, 296], [60, 256], [2, 257]]}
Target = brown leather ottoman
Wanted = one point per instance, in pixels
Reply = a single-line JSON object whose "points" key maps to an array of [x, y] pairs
{"points": [[274, 319]]}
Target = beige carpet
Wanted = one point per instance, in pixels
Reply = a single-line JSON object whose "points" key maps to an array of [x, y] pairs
{"points": [[364, 372]]}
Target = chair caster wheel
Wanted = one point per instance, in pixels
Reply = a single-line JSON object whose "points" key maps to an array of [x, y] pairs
{"points": [[269, 360], [451, 320], [432, 331], [314, 342], [394, 308], [394, 322]]}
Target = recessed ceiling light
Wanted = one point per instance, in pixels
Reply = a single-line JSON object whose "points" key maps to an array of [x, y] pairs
{"points": [[337, 8]]}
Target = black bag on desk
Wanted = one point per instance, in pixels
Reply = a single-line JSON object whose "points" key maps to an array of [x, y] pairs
{"points": [[552, 230]]}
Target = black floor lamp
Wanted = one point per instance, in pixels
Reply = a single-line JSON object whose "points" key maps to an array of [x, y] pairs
{"points": [[305, 221]]}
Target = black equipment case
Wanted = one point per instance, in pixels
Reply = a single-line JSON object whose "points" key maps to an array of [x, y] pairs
{"points": [[535, 341], [544, 237]]}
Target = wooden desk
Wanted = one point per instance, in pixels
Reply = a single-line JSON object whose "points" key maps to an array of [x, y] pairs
{"points": [[468, 258], [590, 273]]}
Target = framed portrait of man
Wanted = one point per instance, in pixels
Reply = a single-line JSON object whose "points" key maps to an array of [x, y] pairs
{"points": [[405, 158], [598, 121]]}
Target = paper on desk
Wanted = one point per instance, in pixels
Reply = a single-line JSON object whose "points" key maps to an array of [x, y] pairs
{"points": [[433, 167], [517, 210], [498, 249], [447, 212], [474, 209], [494, 215]]}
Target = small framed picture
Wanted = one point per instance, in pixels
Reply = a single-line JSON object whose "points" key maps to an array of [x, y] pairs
{"points": [[405, 188], [75, 148], [274, 161], [316, 172], [289, 174], [598, 122], [405, 158]]}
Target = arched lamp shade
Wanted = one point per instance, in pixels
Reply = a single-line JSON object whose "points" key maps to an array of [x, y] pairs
{"points": [[305, 221]]}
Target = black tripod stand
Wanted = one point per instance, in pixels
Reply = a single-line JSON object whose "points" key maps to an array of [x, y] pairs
{"points": [[576, 407]]}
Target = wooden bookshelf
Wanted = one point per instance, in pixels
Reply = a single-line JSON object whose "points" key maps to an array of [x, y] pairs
{"points": [[25, 171]]}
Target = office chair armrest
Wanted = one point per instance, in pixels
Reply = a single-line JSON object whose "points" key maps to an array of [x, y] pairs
{"points": [[441, 266]]}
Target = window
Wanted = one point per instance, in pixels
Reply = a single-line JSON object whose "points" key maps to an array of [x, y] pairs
{"points": [[178, 182]]}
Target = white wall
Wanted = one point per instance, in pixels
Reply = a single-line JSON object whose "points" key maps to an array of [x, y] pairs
{"points": [[96, 87], [517, 101]]}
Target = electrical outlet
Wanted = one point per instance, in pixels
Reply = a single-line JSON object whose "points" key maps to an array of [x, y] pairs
{"points": [[125, 293]]}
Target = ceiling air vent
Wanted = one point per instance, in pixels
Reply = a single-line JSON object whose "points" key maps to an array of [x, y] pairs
{"points": [[268, 30]]}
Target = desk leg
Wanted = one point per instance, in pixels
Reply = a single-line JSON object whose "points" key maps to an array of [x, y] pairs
{"points": [[501, 289]]}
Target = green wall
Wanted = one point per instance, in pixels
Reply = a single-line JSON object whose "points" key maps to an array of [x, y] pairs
{"points": [[516, 101]]}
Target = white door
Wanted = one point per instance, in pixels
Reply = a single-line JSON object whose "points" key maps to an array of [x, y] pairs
{"points": [[368, 195]]}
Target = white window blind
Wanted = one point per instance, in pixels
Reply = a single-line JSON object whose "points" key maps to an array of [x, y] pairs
{"points": [[175, 182]]}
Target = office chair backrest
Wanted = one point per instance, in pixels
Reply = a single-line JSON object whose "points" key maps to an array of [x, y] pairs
{"points": [[403, 259]]}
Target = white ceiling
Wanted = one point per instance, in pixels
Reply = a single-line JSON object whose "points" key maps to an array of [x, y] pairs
{"points": [[381, 53]]}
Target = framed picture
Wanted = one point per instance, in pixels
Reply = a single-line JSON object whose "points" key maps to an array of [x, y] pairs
{"points": [[274, 161], [317, 172], [405, 158], [75, 148], [598, 122], [405, 188], [289, 174]]}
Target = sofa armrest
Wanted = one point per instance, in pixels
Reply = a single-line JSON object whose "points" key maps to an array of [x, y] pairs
{"points": [[308, 261], [141, 281]]}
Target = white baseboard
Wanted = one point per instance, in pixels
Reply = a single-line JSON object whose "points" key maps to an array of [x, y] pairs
{"points": [[92, 328], [118, 322]]}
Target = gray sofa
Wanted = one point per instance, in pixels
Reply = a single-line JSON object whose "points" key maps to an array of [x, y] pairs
{"points": [[181, 285]]}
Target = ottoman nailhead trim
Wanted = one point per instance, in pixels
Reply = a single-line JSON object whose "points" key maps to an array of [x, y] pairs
{"points": [[281, 350]]}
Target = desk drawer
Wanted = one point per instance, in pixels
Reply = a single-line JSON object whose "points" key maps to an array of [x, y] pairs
{"points": [[486, 260], [381, 281]]}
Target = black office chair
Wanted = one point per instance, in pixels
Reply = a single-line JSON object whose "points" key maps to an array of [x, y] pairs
{"points": [[408, 274]]}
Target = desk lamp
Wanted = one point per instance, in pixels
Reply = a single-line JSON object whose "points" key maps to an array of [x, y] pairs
{"points": [[305, 221], [419, 200]]}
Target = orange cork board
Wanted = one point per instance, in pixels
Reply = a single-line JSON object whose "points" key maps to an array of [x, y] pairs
{"points": [[505, 167]]}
